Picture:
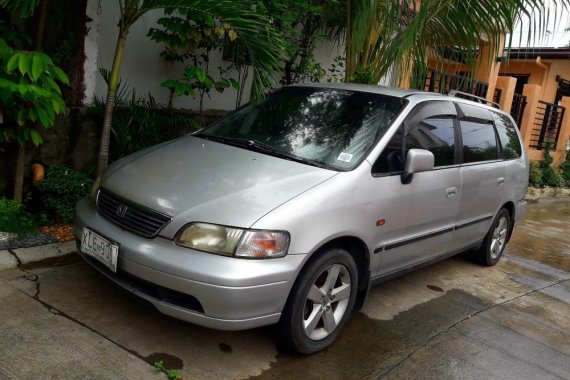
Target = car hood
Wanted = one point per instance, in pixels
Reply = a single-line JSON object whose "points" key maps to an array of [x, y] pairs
{"points": [[193, 179]]}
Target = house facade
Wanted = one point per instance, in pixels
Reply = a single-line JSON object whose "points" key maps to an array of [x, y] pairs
{"points": [[532, 84]]}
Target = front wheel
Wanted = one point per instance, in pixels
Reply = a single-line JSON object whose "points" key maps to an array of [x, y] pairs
{"points": [[320, 302], [494, 243]]}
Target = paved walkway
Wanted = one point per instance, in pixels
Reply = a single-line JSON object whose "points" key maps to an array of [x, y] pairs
{"points": [[38, 341]]}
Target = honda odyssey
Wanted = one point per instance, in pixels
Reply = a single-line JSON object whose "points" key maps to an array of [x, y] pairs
{"points": [[288, 210]]}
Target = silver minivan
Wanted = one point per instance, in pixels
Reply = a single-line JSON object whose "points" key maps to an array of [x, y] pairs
{"points": [[289, 209]]}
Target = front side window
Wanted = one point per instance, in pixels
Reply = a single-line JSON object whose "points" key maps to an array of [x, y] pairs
{"points": [[436, 134], [508, 136], [479, 141], [334, 128]]}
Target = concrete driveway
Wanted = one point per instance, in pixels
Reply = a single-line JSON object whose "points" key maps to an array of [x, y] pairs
{"points": [[453, 319]]}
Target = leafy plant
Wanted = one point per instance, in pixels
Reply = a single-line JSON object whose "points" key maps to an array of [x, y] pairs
{"points": [[61, 190], [63, 56], [140, 122], [29, 92], [565, 170], [15, 219], [336, 72], [30, 95], [549, 176], [535, 175], [190, 36], [24, 7], [159, 366], [363, 75], [303, 24], [197, 82], [172, 374], [263, 43], [389, 37]]}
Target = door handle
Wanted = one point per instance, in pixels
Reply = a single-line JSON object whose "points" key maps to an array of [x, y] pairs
{"points": [[451, 192], [500, 181]]}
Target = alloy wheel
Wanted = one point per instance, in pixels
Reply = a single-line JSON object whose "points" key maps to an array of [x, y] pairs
{"points": [[326, 302], [499, 237]]}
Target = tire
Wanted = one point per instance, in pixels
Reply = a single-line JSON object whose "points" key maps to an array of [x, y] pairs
{"points": [[496, 239], [314, 315]]}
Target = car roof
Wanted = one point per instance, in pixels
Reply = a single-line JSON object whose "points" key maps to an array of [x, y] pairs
{"points": [[372, 88], [416, 95]]}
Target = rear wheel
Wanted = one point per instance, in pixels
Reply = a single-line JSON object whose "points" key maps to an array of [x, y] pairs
{"points": [[320, 302], [494, 243]]}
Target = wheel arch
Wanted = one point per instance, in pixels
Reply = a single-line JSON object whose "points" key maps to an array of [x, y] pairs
{"points": [[510, 207], [361, 255]]}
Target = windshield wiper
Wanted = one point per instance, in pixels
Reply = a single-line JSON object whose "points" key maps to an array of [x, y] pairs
{"points": [[264, 148]]}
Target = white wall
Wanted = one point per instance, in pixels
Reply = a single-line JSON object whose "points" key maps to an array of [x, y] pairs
{"points": [[143, 69]]}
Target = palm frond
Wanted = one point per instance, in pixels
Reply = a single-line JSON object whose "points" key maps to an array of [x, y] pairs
{"points": [[25, 8], [403, 32], [263, 43]]}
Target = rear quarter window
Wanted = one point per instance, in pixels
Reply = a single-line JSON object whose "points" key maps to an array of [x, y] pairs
{"points": [[508, 136]]}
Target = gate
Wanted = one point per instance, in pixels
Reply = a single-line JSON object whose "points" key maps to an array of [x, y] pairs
{"points": [[563, 89], [440, 81], [497, 95], [547, 122], [518, 107]]}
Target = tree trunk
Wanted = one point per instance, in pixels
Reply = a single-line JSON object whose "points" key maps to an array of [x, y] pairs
{"points": [[19, 177], [103, 160], [41, 25], [170, 102], [288, 72], [202, 108], [348, 40]]}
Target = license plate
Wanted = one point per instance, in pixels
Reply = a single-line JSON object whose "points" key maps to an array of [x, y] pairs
{"points": [[100, 248]]}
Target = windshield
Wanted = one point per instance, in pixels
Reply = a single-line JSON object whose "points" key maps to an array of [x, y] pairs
{"points": [[334, 128]]}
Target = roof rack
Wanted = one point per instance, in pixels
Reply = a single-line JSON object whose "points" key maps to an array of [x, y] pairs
{"points": [[460, 94]]}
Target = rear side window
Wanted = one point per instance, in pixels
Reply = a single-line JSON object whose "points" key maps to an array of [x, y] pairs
{"points": [[479, 141], [508, 136], [435, 134]]}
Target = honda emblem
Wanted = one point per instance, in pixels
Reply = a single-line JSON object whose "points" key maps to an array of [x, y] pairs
{"points": [[122, 210]]}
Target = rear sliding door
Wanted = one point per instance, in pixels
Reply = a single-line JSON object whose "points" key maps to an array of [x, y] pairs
{"points": [[482, 175]]}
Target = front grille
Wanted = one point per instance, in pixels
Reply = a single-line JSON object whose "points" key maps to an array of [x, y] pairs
{"points": [[137, 219]]}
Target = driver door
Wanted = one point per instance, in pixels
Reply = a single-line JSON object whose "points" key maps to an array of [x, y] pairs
{"points": [[421, 216]]}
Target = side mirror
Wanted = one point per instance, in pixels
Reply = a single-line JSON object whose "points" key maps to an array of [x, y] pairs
{"points": [[417, 160]]}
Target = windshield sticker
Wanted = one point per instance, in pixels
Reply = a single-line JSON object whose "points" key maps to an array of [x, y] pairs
{"points": [[345, 157]]}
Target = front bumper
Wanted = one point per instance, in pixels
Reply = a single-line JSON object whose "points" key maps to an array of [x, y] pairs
{"points": [[232, 294]]}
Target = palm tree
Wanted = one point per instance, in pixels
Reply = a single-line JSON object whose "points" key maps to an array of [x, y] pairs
{"points": [[390, 36], [264, 45], [24, 8]]}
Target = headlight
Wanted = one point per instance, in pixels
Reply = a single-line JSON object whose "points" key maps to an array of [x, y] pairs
{"points": [[231, 241], [93, 191]]}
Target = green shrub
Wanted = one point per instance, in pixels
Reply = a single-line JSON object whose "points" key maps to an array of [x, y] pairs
{"points": [[549, 176], [14, 218], [139, 123], [535, 176], [61, 190], [565, 170]]}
